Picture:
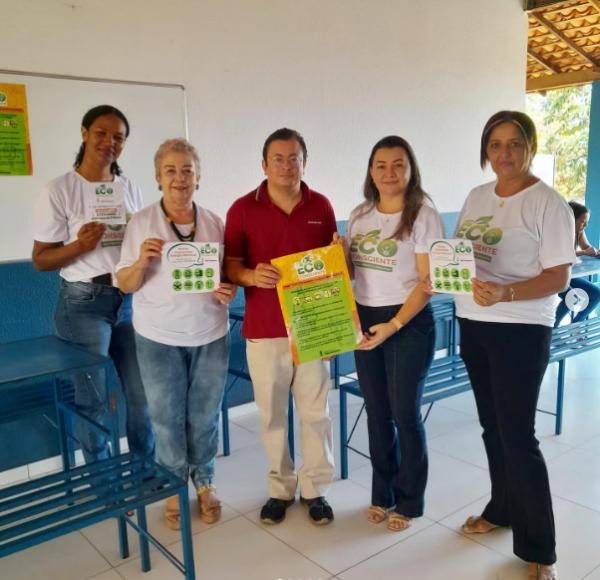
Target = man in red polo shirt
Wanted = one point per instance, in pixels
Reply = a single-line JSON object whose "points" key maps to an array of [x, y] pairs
{"points": [[282, 216]]}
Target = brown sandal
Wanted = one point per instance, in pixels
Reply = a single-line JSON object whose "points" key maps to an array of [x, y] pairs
{"points": [[172, 514], [398, 522], [209, 505], [477, 525], [376, 514], [541, 572]]}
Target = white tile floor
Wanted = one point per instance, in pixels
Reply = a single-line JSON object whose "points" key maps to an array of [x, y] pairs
{"points": [[239, 547]]}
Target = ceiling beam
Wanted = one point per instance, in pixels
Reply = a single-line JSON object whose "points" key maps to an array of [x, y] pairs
{"points": [[541, 61], [595, 4], [550, 26], [569, 79], [529, 3]]}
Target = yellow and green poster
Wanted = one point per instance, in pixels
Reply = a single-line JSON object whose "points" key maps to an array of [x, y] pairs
{"points": [[15, 147], [318, 304]]}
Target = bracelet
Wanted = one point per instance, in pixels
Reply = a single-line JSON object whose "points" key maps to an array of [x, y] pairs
{"points": [[511, 294], [397, 324]]}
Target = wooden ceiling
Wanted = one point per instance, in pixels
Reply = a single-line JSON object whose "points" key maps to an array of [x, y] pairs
{"points": [[564, 43]]}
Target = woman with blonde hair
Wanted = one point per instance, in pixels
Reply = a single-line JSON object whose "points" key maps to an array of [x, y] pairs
{"points": [[182, 339]]}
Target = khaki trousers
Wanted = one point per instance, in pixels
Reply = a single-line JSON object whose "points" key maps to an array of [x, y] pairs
{"points": [[273, 376]]}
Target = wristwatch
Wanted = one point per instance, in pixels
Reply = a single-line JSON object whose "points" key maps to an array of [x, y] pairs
{"points": [[396, 323]]}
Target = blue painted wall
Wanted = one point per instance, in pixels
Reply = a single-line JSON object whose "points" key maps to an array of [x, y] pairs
{"points": [[592, 192]]}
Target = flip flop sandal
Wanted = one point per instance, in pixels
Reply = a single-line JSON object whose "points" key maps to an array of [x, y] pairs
{"points": [[477, 525], [398, 522], [541, 572], [376, 514], [209, 505], [172, 514]]}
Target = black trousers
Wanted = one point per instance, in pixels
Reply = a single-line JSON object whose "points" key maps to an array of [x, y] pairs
{"points": [[506, 364]]}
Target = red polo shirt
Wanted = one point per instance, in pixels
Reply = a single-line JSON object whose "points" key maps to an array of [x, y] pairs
{"points": [[256, 230]]}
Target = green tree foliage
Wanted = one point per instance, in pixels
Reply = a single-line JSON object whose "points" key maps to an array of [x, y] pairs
{"points": [[562, 118]]}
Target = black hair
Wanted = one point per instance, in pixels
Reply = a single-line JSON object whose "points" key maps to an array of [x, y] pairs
{"points": [[414, 197], [87, 122], [578, 209], [284, 134], [522, 121]]}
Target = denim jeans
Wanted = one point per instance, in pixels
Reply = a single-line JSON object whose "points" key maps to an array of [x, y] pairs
{"points": [[506, 364], [392, 377], [98, 318], [184, 386], [593, 293]]}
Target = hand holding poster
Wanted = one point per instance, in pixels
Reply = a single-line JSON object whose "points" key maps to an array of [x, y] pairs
{"points": [[192, 267], [317, 303], [451, 266]]}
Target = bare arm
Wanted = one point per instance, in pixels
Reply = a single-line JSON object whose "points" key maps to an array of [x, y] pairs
{"points": [[263, 276], [53, 255], [586, 248], [414, 303], [131, 278], [549, 281]]}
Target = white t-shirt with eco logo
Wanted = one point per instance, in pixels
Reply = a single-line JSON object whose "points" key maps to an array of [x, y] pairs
{"points": [[68, 202], [158, 313], [515, 238], [385, 269]]}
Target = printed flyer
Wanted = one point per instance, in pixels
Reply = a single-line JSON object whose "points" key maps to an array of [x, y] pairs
{"points": [[15, 146], [192, 267], [317, 302], [451, 266]]}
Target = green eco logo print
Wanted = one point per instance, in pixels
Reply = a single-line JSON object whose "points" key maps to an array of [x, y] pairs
{"points": [[479, 229], [104, 190], [370, 252]]}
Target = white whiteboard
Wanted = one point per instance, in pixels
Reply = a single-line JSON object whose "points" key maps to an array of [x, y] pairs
{"points": [[56, 106]]}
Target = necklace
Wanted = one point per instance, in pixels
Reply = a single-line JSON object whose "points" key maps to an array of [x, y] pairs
{"points": [[190, 237]]}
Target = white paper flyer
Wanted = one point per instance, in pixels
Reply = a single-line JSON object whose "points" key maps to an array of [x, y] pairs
{"points": [[192, 267], [451, 266]]}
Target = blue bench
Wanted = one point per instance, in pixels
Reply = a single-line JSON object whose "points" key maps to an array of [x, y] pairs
{"points": [[447, 377], [51, 506], [567, 341]]}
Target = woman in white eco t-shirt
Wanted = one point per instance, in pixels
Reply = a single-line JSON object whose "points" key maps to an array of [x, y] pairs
{"points": [[522, 233], [182, 337], [79, 226], [389, 234]]}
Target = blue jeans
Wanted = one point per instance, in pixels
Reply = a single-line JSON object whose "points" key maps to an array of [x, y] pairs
{"points": [[593, 293], [184, 386], [98, 318], [392, 377], [506, 363]]}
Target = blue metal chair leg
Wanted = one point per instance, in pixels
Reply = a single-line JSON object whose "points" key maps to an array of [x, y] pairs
{"points": [[144, 548], [123, 539], [291, 427], [560, 392], [343, 433], [186, 535], [225, 423]]}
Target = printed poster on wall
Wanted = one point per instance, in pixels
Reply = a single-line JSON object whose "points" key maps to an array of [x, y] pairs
{"points": [[451, 266], [192, 267], [15, 146], [317, 303]]}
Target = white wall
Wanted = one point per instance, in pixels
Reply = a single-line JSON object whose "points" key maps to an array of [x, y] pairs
{"points": [[343, 72]]}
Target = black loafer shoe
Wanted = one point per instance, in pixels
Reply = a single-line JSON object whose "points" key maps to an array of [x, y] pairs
{"points": [[319, 511], [273, 511]]}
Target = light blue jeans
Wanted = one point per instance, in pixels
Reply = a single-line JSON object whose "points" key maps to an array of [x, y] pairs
{"points": [[98, 318], [184, 386]]}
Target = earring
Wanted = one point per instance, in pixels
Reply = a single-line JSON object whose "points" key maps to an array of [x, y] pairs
{"points": [[197, 186], [160, 188]]}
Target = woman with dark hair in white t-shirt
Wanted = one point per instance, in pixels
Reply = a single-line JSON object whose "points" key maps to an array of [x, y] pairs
{"points": [[522, 233], [389, 234], [79, 226]]}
